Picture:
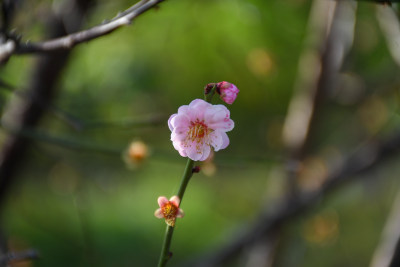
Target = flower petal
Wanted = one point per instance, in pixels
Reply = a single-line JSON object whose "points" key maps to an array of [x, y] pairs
{"points": [[216, 113], [180, 120], [169, 122], [215, 139], [175, 200], [162, 201], [159, 214], [193, 151], [183, 109], [217, 118], [197, 151], [199, 104], [179, 134], [180, 213], [225, 140], [197, 109], [206, 153], [179, 147]]}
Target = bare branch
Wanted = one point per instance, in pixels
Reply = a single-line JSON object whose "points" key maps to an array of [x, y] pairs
{"points": [[18, 256], [328, 42], [69, 41], [330, 34], [77, 123], [66, 142], [6, 50], [364, 159], [389, 245], [22, 113], [390, 27]]}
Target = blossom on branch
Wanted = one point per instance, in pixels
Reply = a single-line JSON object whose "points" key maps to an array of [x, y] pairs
{"points": [[169, 209], [199, 126]]}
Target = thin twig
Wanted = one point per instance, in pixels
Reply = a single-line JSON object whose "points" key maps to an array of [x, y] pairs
{"points": [[69, 41], [78, 123], [65, 142]]}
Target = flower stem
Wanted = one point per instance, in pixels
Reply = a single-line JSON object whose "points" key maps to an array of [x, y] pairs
{"points": [[186, 177], [209, 95], [165, 253]]}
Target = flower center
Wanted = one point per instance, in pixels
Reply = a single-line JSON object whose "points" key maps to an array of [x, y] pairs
{"points": [[197, 130], [170, 210]]}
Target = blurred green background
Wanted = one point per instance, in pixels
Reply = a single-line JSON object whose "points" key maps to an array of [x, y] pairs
{"points": [[84, 206]]}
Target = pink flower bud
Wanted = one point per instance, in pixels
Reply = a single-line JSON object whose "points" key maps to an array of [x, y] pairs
{"points": [[227, 91], [169, 209]]}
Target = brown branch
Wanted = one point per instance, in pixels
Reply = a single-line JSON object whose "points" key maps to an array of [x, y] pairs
{"points": [[22, 113], [69, 41], [13, 257], [389, 23], [364, 159], [395, 260], [329, 37], [388, 251], [327, 44]]}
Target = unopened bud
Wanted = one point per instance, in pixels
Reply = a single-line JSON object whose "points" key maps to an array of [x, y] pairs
{"points": [[228, 92]]}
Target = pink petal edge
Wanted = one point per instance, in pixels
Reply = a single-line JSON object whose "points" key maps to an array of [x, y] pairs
{"points": [[158, 213], [180, 213], [162, 201], [175, 200]]}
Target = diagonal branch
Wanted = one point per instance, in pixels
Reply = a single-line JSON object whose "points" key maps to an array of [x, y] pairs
{"points": [[69, 41], [364, 159], [13, 257], [388, 251]]}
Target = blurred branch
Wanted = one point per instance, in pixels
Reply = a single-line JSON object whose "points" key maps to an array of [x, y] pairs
{"points": [[79, 124], [369, 156], [24, 113], [36, 135], [7, 45], [12, 257], [263, 252], [330, 33], [387, 253], [390, 27], [6, 50], [150, 120], [69, 41], [7, 14], [395, 260], [330, 37]]}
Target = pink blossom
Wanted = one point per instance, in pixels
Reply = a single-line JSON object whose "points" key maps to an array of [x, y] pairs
{"points": [[227, 91], [169, 209], [199, 126]]}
